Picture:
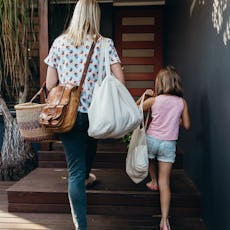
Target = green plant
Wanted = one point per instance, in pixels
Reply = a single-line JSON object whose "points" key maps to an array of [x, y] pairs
{"points": [[126, 139], [16, 40]]}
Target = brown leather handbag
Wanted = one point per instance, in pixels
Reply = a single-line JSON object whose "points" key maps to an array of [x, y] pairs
{"points": [[60, 112]]}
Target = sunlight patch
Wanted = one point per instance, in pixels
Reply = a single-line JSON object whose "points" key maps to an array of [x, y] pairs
{"points": [[219, 16], [219, 6], [226, 35]]}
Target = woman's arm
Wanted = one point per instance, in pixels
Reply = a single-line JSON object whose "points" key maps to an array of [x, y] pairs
{"points": [[118, 72], [185, 116], [51, 78]]}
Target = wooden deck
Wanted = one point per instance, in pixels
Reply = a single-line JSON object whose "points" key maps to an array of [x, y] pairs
{"points": [[45, 190], [56, 221], [40, 200]]}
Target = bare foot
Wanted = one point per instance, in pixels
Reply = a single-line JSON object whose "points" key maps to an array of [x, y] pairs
{"points": [[164, 225], [152, 186]]}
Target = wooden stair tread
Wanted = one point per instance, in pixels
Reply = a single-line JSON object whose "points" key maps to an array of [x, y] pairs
{"points": [[60, 221], [109, 180], [103, 144], [111, 153], [96, 222], [45, 190], [105, 158]]}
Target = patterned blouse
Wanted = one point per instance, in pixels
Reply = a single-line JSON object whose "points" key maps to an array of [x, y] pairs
{"points": [[69, 62]]}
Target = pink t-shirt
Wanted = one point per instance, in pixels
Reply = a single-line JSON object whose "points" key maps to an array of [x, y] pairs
{"points": [[166, 113]]}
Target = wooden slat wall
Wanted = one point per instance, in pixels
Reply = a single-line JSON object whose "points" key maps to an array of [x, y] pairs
{"points": [[33, 37], [138, 39]]}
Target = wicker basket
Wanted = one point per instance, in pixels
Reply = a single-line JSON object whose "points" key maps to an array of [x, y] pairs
{"points": [[27, 115]]}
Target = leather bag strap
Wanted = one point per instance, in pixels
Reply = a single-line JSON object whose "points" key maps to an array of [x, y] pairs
{"points": [[86, 66], [43, 88]]}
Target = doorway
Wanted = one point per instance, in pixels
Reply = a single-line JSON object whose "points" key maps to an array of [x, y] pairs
{"points": [[138, 39]]}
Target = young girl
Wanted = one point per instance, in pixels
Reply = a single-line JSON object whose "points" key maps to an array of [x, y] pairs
{"points": [[169, 110]]}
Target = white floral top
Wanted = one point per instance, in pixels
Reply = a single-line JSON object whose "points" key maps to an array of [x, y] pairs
{"points": [[69, 62]]}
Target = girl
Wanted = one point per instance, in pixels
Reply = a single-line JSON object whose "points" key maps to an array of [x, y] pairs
{"points": [[169, 110]]}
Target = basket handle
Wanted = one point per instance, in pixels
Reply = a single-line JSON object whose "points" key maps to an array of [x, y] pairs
{"points": [[42, 89]]}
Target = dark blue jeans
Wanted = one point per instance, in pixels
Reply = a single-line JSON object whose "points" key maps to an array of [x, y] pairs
{"points": [[80, 150]]}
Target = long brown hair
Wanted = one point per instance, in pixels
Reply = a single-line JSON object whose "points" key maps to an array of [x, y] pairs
{"points": [[168, 81]]}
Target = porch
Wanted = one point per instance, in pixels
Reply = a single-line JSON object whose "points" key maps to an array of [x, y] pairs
{"points": [[40, 200]]}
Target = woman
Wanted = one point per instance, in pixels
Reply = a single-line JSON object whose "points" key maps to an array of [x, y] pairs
{"points": [[65, 62]]}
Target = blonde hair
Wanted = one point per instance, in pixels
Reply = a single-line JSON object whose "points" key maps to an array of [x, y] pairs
{"points": [[85, 20], [168, 81]]}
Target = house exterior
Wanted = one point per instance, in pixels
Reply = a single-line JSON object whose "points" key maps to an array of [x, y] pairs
{"points": [[188, 35]]}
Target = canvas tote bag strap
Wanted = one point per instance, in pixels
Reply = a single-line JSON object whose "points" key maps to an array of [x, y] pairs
{"points": [[144, 123], [107, 60], [141, 108], [86, 65], [101, 60], [147, 118]]}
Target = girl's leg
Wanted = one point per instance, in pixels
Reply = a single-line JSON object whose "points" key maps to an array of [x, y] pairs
{"points": [[165, 192], [153, 183], [153, 146]]}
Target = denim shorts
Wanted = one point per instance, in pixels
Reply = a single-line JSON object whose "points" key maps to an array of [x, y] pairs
{"points": [[163, 150]]}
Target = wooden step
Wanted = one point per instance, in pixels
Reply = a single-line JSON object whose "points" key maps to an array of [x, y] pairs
{"points": [[42, 221], [45, 190], [102, 222], [104, 159], [110, 154], [103, 144]]}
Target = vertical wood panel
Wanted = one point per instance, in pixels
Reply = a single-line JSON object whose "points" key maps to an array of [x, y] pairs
{"points": [[43, 37], [43, 47]]}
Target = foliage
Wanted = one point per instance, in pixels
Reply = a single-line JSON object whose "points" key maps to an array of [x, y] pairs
{"points": [[16, 40], [126, 139]]}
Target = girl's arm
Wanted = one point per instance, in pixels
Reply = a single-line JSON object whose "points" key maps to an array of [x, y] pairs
{"points": [[51, 78], [185, 116], [148, 103], [148, 92]]}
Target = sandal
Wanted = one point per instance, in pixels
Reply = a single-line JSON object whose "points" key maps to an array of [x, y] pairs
{"points": [[91, 180]]}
